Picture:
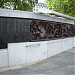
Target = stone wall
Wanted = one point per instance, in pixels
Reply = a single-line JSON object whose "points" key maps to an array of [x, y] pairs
{"points": [[14, 30]]}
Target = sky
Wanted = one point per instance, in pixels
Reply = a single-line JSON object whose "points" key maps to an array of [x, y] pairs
{"points": [[43, 1]]}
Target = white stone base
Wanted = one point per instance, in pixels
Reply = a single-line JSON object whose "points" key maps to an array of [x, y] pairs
{"points": [[3, 58], [27, 53]]}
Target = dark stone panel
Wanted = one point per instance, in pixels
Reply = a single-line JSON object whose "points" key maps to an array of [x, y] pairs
{"points": [[14, 30], [3, 30], [3, 45]]}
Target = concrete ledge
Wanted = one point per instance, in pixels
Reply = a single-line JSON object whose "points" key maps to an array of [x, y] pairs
{"points": [[17, 66]]}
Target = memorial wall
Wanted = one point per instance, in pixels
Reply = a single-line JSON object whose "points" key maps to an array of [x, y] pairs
{"points": [[13, 30]]}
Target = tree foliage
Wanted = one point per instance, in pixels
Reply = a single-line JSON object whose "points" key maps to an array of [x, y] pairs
{"points": [[18, 4], [62, 6]]}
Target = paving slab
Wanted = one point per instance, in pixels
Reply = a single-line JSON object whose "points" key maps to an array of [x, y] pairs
{"points": [[71, 50], [60, 64]]}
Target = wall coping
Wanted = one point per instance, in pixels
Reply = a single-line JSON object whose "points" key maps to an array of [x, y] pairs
{"points": [[32, 15]]}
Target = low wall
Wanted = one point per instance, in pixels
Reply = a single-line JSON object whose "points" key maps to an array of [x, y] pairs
{"points": [[4, 58], [31, 52], [74, 41]]}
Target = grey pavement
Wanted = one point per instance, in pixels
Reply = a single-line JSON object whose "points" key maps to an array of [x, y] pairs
{"points": [[60, 64]]}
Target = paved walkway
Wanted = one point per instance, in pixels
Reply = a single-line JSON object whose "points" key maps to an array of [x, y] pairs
{"points": [[60, 64]]}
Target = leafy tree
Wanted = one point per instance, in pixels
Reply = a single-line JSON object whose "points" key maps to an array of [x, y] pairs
{"points": [[2, 3], [18, 4], [62, 6]]}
